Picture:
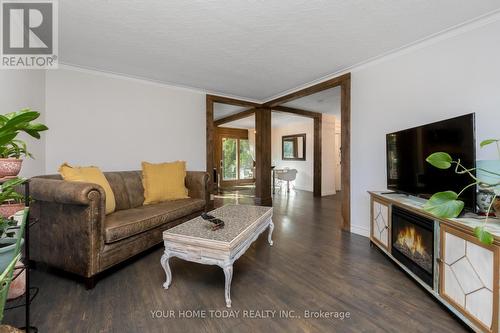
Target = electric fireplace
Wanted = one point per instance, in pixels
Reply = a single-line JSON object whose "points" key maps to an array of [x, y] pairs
{"points": [[413, 243]]}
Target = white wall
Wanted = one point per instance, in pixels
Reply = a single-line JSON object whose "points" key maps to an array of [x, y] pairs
{"points": [[329, 152], [115, 122], [338, 151], [305, 175], [21, 89], [304, 179], [442, 79]]}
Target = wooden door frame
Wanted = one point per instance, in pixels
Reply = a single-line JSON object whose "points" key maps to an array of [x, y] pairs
{"points": [[211, 124], [342, 81], [233, 133]]}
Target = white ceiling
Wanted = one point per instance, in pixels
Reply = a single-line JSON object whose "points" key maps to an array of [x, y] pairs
{"points": [[248, 122], [326, 101], [224, 110], [278, 119], [252, 49]]}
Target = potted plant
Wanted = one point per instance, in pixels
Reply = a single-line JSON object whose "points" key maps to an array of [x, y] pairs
{"points": [[8, 241], [11, 203], [447, 204], [10, 158], [11, 242], [10, 200], [11, 149]]}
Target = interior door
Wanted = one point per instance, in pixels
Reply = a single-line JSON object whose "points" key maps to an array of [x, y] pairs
{"points": [[233, 157]]}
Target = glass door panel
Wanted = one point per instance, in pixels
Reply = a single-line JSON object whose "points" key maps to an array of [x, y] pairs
{"points": [[246, 161], [229, 159]]}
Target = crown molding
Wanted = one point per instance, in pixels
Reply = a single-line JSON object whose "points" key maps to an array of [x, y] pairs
{"points": [[448, 33], [144, 80]]}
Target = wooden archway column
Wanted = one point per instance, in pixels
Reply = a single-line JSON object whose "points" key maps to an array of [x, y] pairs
{"points": [[263, 156], [345, 138]]}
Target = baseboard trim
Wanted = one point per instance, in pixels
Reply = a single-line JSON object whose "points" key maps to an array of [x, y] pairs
{"points": [[359, 230]]}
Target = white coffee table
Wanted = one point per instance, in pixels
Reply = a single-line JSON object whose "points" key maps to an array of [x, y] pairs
{"points": [[195, 241]]}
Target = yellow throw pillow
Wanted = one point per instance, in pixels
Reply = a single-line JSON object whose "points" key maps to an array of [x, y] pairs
{"points": [[164, 181], [93, 175]]}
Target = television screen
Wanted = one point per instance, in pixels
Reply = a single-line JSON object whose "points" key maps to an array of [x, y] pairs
{"points": [[407, 170]]}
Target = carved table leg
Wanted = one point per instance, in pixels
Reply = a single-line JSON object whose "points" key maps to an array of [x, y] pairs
{"points": [[166, 267], [228, 273], [271, 228]]}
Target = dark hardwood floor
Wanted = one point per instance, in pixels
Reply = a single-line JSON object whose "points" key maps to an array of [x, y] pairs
{"points": [[312, 266]]}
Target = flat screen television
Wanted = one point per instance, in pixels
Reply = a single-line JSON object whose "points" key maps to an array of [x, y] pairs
{"points": [[407, 170]]}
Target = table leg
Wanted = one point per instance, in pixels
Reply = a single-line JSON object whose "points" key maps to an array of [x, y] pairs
{"points": [[271, 228], [166, 267], [228, 273]]}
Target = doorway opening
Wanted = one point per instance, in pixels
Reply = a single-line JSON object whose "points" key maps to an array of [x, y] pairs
{"points": [[326, 103], [343, 82], [263, 161], [233, 158]]}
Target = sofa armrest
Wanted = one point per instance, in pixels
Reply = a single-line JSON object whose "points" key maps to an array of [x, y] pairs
{"points": [[65, 192], [197, 185], [70, 225]]}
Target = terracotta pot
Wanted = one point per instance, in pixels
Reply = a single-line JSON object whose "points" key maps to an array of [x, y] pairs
{"points": [[496, 206], [18, 285], [10, 167], [7, 210]]}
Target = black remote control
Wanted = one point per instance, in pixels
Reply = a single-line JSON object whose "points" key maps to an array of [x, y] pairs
{"points": [[206, 216]]}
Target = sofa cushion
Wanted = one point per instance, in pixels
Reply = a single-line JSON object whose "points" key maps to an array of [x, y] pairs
{"points": [[164, 181], [130, 222], [135, 190], [90, 174], [117, 184], [128, 188]]}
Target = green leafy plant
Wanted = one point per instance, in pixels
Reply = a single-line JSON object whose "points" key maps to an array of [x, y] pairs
{"points": [[14, 149], [11, 124], [8, 191], [5, 225], [447, 204]]}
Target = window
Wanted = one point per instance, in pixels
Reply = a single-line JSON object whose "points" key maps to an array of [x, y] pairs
{"points": [[237, 161], [229, 158], [246, 160]]}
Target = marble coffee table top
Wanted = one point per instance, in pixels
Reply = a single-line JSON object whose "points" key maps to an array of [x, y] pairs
{"points": [[236, 219]]}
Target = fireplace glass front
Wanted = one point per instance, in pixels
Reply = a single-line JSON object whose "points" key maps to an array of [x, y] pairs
{"points": [[413, 243]]}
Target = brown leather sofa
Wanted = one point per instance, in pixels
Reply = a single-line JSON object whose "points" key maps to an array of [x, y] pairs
{"points": [[75, 235]]}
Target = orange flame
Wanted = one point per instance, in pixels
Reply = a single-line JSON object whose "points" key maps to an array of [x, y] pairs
{"points": [[409, 238]]}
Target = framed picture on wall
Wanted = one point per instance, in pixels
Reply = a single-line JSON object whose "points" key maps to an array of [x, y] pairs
{"points": [[293, 147]]}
